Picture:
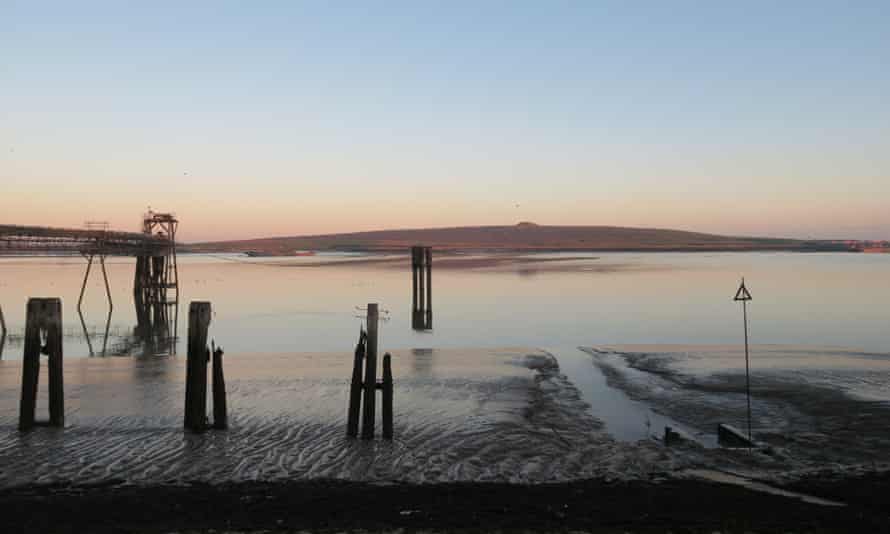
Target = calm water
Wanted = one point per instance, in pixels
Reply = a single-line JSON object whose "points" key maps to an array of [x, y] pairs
{"points": [[295, 305], [466, 407]]}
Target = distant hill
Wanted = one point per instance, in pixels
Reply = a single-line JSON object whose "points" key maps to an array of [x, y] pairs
{"points": [[524, 236]]}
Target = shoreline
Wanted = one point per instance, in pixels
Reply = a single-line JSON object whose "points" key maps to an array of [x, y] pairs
{"points": [[591, 505]]}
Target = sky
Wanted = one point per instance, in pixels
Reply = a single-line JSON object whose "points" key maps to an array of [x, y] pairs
{"points": [[255, 119]]}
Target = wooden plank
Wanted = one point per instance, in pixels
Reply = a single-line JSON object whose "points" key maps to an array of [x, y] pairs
{"points": [[732, 436]]}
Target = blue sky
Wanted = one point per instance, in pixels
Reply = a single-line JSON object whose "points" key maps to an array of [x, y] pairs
{"points": [[766, 118]]}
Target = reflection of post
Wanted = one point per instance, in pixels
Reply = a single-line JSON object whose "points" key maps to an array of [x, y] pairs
{"points": [[196, 367], [370, 384], [43, 320]]}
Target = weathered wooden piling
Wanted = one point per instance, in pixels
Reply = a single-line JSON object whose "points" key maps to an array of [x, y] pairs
{"points": [[387, 396], [220, 415], [370, 385], [43, 321], [196, 367], [422, 288], [355, 387], [2, 332]]}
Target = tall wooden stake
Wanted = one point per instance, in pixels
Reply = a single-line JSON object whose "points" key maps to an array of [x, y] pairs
{"points": [[196, 367], [370, 385], [2, 332], [43, 320], [428, 253], [387, 396], [355, 387], [743, 296], [220, 414]]}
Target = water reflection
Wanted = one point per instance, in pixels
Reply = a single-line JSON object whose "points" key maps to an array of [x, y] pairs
{"points": [[86, 334], [423, 361], [150, 338]]}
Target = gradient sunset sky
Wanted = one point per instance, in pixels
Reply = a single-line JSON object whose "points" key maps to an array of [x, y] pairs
{"points": [[252, 119]]}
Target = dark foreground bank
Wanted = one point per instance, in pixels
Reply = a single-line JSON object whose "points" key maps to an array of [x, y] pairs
{"points": [[598, 506]]}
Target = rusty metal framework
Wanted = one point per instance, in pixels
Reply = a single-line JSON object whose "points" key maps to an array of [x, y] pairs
{"points": [[156, 282]]}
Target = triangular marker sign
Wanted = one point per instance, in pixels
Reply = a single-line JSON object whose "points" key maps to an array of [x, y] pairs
{"points": [[742, 293]]}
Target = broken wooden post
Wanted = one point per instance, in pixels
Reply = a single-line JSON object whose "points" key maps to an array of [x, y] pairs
{"points": [[220, 415], [43, 321], [355, 387], [387, 396], [196, 367], [370, 385], [422, 290]]}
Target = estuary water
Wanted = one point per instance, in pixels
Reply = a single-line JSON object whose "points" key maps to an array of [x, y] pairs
{"points": [[307, 304], [539, 368]]}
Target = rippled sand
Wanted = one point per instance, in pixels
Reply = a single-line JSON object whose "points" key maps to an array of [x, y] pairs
{"points": [[818, 407], [492, 415]]}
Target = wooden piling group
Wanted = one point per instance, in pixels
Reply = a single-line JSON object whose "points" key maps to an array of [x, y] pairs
{"points": [[366, 360], [422, 288], [197, 357], [43, 335]]}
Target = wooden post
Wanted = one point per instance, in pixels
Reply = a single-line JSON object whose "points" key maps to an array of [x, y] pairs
{"points": [[370, 385], [43, 318], [355, 388], [220, 415], [2, 332], [415, 277], [428, 316], [196, 367], [387, 397], [422, 288]]}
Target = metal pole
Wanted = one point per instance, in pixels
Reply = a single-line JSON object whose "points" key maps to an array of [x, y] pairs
{"points": [[85, 277], [107, 287]]}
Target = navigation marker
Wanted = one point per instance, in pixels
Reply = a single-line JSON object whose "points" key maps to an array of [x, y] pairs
{"points": [[743, 296]]}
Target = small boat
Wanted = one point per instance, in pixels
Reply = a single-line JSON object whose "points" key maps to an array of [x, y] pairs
{"points": [[304, 253]]}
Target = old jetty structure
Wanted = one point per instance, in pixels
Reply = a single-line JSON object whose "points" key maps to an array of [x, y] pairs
{"points": [[156, 278]]}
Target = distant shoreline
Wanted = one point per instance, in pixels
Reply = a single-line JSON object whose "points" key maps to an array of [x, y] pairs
{"points": [[529, 238]]}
